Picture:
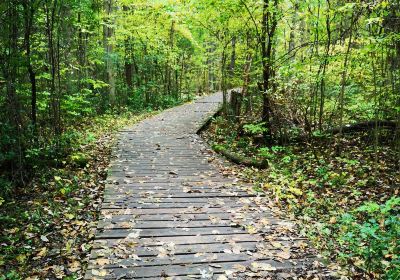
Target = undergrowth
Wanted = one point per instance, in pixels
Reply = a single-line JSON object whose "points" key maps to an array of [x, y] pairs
{"points": [[46, 228], [348, 205]]}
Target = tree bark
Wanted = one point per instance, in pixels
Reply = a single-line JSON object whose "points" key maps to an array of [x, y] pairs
{"points": [[269, 24], [108, 33], [344, 81], [28, 20]]}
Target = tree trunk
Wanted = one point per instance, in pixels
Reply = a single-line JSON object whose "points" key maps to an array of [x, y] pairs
{"points": [[269, 24], [223, 81], [343, 83], [324, 66], [232, 63], [28, 20], [292, 37], [10, 71], [51, 44], [128, 64], [108, 33], [168, 68]]}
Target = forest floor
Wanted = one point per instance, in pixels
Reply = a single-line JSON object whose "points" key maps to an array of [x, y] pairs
{"points": [[46, 228], [347, 204]]}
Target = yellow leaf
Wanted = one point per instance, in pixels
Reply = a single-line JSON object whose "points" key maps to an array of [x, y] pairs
{"points": [[276, 244], [102, 261], [70, 216], [21, 258], [296, 191], [101, 272], [42, 252], [251, 230], [284, 255], [239, 268], [262, 266]]}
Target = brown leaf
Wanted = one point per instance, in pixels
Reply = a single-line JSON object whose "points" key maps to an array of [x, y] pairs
{"points": [[284, 255], [102, 262]]}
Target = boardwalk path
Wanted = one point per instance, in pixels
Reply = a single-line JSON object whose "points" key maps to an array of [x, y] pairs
{"points": [[170, 214]]}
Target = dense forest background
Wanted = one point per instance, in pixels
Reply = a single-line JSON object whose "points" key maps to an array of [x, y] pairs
{"points": [[322, 73]]}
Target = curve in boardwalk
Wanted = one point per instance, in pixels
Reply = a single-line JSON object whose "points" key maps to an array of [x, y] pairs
{"points": [[170, 214]]}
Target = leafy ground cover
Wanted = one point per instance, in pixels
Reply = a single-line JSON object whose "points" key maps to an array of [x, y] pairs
{"points": [[348, 205], [47, 227]]}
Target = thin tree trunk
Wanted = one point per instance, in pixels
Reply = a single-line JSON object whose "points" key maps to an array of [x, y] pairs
{"points": [[108, 32], [343, 83], [269, 24], [324, 66], [28, 19], [50, 22], [10, 71], [232, 62], [223, 81]]}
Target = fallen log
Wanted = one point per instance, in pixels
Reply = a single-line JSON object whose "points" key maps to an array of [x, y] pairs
{"points": [[238, 159], [361, 126]]}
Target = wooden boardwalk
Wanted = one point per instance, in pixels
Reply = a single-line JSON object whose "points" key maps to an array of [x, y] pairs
{"points": [[168, 213]]}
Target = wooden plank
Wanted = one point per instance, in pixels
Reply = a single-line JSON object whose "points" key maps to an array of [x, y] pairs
{"points": [[151, 205], [168, 218], [184, 210], [148, 186], [183, 259], [215, 198], [194, 269], [173, 232], [154, 204], [210, 243], [146, 224], [139, 195], [221, 238], [101, 250]]}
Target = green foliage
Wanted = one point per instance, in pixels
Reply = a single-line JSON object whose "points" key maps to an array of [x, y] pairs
{"points": [[80, 159], [370, 236], [255, 128], [265, 153], [12, 275]]}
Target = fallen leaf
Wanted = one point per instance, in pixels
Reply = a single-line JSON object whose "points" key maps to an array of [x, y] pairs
{"points": [[44, 238], [227, 251], [276, 244], [101, 272], [42, 252], [255, 266], [239, 268], [134, 234], [102, 262], [74, 266], [251, 230], [284, 255]]}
